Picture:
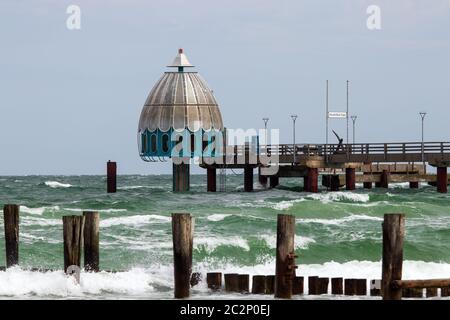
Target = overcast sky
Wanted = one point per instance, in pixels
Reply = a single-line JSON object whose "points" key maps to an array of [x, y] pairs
{"points": [[71, 99]]}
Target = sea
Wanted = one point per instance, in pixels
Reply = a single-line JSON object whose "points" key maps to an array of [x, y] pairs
{"points": [[338, 234]]}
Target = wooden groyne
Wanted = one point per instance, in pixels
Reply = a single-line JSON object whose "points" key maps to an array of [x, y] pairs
{"points": [[285, 283]]}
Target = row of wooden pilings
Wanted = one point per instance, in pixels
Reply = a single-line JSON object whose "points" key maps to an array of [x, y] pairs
{"points": [[80, 233], [285, 283]]}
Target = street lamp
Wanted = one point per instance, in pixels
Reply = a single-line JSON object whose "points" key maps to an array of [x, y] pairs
{"points": [[354, 124], [422, 115], [265, 129], [294, 117]]}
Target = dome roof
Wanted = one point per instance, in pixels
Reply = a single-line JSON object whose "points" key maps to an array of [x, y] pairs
{"points": [[180, 100]]}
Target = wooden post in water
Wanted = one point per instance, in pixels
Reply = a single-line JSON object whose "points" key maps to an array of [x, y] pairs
{"points": [[384, 179], [336, 286], [196, 278], [73, 240], [350, 287], [323, 285], [361, 287], [214, 280], [244, 283], [313, 285], [11, 221], [270, 284], [182, 234], [297, 285], [259, 284], [350, 178], [431, 292], [111, 174], [211, 178], [392, 264], [91, 241], [231, 282], [285, 260]]}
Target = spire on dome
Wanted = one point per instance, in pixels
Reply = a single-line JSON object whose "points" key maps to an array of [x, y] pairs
{"points": [[180, 61]]}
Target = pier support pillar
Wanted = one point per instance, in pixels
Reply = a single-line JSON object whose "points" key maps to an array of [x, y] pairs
{"points": [[384, 179], [180, 177], [442, 179], [111, 173], [350, 178], [248, 179], [312, 180], [414, 184], [211, 180], [367, 185], [262, 179], [274, 181]]}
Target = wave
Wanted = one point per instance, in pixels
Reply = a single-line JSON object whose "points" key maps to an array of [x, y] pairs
{"points": [[43, 222], [217, 216], [286, 204], [156, 281], [300, 241], [38, 211], [56, 184], [211, 243], [339, 221], [97, 210], [339, 196], [134, 220]]}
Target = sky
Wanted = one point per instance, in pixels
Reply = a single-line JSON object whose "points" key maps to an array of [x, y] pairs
{"points": [[70, 99]]}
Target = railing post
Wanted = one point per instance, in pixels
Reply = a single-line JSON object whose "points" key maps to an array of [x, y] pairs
{"points": [[392, 263]]}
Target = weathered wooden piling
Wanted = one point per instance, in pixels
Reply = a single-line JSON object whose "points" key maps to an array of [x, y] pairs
{"points": [[322, 285], [361, 287], [297, 285], [431, 292], [231, 282], [11, 222], [414, 184], [312, 180], [412, 292], [349, 287], [196, 278], [211, 177], [248, 179], [261, 178], [214, 280], [350, 178], [182, 234], [285, 259], [367, 185], [334, 182], [336, 286], [384, 179], [445, 291], [375, 288], [91, 241], [73, 240], [313, 285], [392, 261], [111, 177], [244, 283], [274, 181], [180, 177], [259, 284], [270, 284], [442, 180]]}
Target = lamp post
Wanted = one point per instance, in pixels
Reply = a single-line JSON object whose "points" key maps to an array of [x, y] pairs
{"points": [[422, 116], [294, 117], [265, 129], [354, 125]]}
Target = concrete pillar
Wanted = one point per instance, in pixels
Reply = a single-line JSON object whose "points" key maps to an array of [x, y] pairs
{"points": [[262, 179], [312, 180], [180, 177], [367, 185], [274, 181], [413, 184], [350, 178], [442, 180], [248, 179], [211, 179], [384, 179]]}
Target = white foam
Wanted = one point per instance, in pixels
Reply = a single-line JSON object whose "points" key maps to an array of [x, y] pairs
{"points": [[300, 241], [339, 196], [56, 184], [97, 210], [43, 222], [134, 220], [286, 204], [38, 211], [339, 221], [211, 243], [218, 216]]}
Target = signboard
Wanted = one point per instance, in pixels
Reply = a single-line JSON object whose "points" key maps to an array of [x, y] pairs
{"points": [[337, 114]]}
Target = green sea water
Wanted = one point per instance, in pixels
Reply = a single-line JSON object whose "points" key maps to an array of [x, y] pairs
{"points": [[337, 234]]}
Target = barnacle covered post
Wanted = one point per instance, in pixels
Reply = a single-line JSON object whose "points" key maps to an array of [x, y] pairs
{"points": [[179, 120]]}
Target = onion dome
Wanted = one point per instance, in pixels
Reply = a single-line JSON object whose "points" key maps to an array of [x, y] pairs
{"points": [[180, 100]]}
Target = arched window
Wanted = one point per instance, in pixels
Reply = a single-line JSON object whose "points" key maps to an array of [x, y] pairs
{"points": [[144, 142], [192, 142], [165, 143], [153, 143]]}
